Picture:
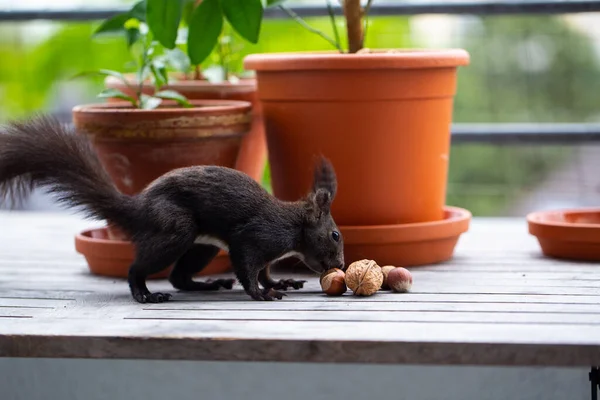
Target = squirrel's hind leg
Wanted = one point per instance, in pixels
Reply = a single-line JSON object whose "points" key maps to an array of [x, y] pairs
{"points": [[154, 254], [192, 262]]}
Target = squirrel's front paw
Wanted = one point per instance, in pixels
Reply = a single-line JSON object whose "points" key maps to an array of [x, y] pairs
{"points": [[267, 295], [152, 297], [224, 283], [271, 294], [284, 284]]}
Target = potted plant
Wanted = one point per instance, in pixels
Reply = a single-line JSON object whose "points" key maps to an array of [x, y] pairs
{"points": [[383, 118], [143, 136], [196, 33]]}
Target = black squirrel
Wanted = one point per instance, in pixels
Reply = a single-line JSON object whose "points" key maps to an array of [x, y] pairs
{"points": [[183, 217]]}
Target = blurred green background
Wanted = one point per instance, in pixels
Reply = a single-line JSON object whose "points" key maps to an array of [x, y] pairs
{"points": [[523, 69]]}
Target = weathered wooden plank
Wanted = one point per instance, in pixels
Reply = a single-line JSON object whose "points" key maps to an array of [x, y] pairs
{"points": [[32, 303], [7, 293], [225, 299], [365, 307], [112, 306], [20, 312], [70, 272], [458, 317], [433, 288], [318, 341]]}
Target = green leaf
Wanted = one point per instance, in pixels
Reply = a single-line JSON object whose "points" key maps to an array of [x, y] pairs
{"points": [[115, 74], [107, 72], [205, 28], [142, 73], [163, 17], [173, 95], [245, 16], [274, 3], [188, 9], [108, 93], [160, 75], [178, 59], [149, 102], [138, 11], [117, 22], [112, 25], [132, 35]]}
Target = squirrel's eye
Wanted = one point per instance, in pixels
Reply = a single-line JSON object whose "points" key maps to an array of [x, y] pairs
{"points": [[335, 236]]}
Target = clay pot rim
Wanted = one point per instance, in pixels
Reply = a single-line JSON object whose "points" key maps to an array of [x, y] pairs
{"points": [[542, 227], [376, 59], [112, 258], [201, 106], [118, 248], [455, 222], [243, 86], [541, 218]]}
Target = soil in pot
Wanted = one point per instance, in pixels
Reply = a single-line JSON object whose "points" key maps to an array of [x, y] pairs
{"points": [[252, 156], [382, 118]]}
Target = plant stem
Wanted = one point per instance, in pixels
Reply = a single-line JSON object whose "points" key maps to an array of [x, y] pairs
{"points": [[228, 65], [141, 70], [222, 57], [197, 73], [332, 18], [353, 14], [366, 17], [298, 19]]}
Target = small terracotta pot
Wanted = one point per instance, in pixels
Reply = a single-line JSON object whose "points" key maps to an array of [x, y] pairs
{"points": [[567, 234], [112, 257], [253, 152], [137, 146], [407, 244], [382, 118]]}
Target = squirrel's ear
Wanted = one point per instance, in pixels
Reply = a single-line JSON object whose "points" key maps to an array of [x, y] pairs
{"points": [[317, 204], [325, 178], [323, 200]]}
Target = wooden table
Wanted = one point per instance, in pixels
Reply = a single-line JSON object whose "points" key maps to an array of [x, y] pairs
{"points": [[498, 302]]}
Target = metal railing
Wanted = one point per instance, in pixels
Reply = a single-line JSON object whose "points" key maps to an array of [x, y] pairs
{"points": [[379, 8]]}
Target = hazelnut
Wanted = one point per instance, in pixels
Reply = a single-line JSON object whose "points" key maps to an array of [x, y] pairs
{"points": [[364, 277], [400, 279], [386, 270], [333, 282]]}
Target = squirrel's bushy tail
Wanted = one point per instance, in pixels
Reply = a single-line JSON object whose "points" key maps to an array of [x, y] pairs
{"points": [[41, 152]]}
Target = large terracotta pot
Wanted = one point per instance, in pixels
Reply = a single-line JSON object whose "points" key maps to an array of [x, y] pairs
{"points": [[253, 152], [382, 118]]}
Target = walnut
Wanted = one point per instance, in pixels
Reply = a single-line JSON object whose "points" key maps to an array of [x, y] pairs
{"points": [[364, 277]]}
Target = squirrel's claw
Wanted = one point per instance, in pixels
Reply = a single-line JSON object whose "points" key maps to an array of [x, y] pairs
{"points": [[284, 284], [156, 297]]}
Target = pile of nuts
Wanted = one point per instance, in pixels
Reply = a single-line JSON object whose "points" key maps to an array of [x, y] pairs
{"points": [[364, 278]]}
